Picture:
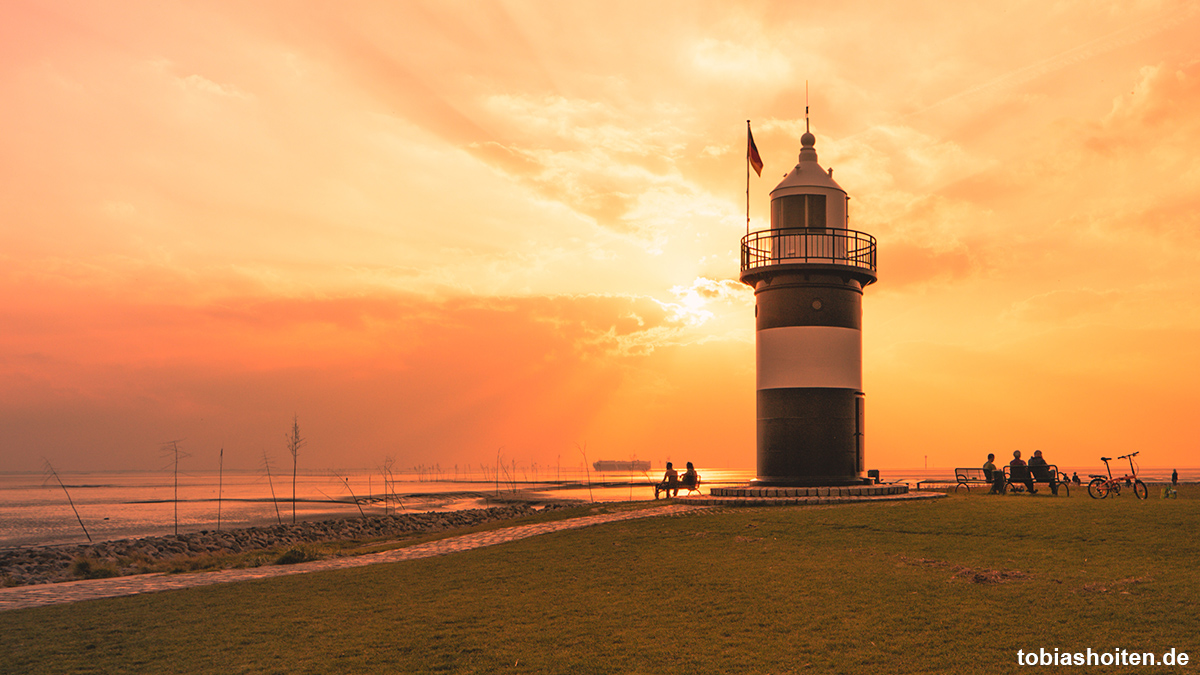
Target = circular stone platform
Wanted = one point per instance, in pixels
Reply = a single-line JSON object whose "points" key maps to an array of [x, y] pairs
{"points": [[750, 495]]}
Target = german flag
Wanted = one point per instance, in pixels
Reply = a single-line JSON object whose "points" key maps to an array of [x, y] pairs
{"points": [[752, 152]]}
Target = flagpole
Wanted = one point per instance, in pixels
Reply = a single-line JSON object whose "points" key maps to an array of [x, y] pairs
{"points": [[747, 179]]}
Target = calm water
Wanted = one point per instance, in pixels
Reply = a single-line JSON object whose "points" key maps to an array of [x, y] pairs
{"points": [[34, 510]]}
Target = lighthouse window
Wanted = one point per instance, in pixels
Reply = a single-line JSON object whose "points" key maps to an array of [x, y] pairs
{"points": [[798, 211]]}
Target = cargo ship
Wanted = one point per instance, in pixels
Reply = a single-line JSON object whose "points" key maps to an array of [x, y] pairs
{"points": [[621, 465]]}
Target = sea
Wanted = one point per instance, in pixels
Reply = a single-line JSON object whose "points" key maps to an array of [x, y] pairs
{"points": [[72, 508]]}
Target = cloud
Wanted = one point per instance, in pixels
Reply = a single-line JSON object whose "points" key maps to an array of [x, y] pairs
{"points": [[580, 123], [694, 300], [452, 228], [1062, 306], [1157, 103], [897, 178], [449, 376], [207, 86], [596, 158], [1129, 32], [743, 63]]}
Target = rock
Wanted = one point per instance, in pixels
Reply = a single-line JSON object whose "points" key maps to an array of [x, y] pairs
{"points": [[47, 564]]}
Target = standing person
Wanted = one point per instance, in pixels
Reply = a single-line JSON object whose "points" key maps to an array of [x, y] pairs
{"points": [[1038, 467], [670, 482], [1018, 468], [1174, 477]]}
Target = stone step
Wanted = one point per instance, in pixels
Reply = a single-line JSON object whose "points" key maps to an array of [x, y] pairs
{"points": [[839, 491]]}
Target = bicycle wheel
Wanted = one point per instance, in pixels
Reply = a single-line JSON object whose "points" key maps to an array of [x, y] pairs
{"points": [[1139, 490], [1098, 488]]}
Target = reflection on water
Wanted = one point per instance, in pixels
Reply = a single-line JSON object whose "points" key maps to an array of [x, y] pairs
{"points": [[130, 505], [34, 511]]}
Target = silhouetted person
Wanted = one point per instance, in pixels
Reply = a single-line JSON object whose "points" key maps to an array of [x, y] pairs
{"points": [[689, 477], [1174, 477], [993, 475], [1018, 470], [669, 484], [1041, 471], [1075, 478], [989, 466]]}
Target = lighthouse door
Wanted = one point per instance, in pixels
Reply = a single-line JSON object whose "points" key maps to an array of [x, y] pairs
{"points": [[860, 428]]}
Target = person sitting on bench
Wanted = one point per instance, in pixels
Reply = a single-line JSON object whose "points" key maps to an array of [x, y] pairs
{"points": [[989, 466], [989, 474], [1038, 467], [689, 477], [1016, 473], [669, 484]]}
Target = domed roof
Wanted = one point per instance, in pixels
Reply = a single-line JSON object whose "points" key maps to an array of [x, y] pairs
{"points": [[807, 174]]}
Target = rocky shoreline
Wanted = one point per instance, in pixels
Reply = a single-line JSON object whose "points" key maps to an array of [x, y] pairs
{"points": [[50, 564]]}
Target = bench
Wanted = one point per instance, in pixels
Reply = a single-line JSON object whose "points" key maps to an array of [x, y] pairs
{"points": [[681, 485], [967, 477], [875, 478], [1015, 477]]}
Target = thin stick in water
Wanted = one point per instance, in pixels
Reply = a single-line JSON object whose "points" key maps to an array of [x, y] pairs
{"points": [[69, 500], [171, 448], [395, 495], [498, 470], [267, 464], [294, 443], [220, 484], [583, 451], [632, 459], [356, 502]]}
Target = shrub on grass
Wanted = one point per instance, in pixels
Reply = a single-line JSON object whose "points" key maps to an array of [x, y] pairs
{"points": [[135, 564], [93, 568], [251, 561], [297, 554]]}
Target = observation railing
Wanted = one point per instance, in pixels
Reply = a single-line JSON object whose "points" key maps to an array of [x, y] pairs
{"points": [[808, 246]]}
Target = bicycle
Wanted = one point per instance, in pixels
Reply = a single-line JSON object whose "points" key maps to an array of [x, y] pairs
{"points": [[1101, 486]]}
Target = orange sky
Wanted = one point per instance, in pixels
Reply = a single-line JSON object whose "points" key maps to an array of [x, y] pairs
{"points": [[434, 229]]}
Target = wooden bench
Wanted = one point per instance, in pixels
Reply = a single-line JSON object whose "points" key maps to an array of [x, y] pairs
{"points": [[1015, 477], [967, 477], [681, 485]]}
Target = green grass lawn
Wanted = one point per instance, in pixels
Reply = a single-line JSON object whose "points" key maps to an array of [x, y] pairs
{"points": [[951, 585]]}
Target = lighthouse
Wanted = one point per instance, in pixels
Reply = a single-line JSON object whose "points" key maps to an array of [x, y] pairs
{"points": [[808, 272]]}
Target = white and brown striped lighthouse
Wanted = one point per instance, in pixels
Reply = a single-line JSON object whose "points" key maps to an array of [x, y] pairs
{"points": [[808, 272]]}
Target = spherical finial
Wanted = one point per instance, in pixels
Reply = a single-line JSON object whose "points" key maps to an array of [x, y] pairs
{"points": [[808, 140]]}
